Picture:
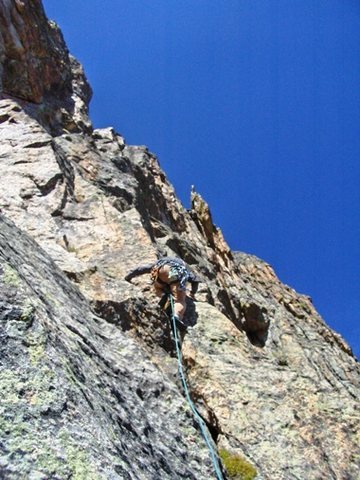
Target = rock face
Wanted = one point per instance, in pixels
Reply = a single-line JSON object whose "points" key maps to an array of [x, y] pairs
{"points": [[79, 398], [87, 360], [37, 70]]}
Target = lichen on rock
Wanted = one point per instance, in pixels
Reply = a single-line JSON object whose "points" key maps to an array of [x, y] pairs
{"points": [[88, 374]]}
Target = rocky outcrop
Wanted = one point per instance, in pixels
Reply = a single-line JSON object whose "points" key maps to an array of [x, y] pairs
{"points": [[273, 382], [37, 69], [79, 398]]}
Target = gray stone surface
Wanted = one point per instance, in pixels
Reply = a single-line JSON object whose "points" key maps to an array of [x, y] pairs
{"points": [[273, 382], [80, 399]]}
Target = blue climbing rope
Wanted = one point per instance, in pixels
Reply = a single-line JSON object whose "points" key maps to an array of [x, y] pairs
{"points": [[196, 414]]}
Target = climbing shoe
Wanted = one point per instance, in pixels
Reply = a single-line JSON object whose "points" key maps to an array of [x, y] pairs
{"points": [[180, 323]]}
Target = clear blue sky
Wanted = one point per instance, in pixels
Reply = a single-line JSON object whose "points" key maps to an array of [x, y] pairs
{"points": [[256, 103]]}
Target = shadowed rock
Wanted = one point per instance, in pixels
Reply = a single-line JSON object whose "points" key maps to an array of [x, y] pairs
{"points": [[37, 70]]}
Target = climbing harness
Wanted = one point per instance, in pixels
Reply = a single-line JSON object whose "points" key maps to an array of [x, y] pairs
{"points": [[196, 414]]}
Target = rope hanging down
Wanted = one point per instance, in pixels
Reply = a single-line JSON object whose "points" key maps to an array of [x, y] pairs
{"points": [[196, 414]]}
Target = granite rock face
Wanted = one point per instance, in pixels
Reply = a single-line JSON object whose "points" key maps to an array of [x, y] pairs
{"points": [[80, 399], [88, 360], [37, 69]]}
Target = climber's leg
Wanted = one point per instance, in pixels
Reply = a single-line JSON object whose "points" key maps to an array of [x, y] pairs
{"points": [[179, 295], [167, 276], [159, 289]]}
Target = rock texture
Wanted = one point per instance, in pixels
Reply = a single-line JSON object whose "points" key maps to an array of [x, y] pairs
{"points": [[79, 398], [87, 361], [37, 70]]}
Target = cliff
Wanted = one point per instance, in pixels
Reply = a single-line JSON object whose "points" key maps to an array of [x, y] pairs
{"points": [[87, 367]]}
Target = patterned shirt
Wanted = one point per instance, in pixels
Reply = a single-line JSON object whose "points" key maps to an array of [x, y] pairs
{"points": [[184, 274]]}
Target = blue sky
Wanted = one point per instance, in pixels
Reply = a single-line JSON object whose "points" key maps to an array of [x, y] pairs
{"points": [[256, 103]]}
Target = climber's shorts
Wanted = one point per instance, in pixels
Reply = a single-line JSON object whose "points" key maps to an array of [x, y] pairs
{"points": [[176, 274]]}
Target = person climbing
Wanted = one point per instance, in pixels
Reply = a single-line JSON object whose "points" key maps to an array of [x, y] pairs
{"points": [[170, 275]]}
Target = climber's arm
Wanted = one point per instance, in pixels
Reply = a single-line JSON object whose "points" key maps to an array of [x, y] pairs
{"points": [[194, 280], [139, 271]]}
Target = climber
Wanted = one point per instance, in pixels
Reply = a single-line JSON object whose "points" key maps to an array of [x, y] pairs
{"points": [[169, 275]]}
